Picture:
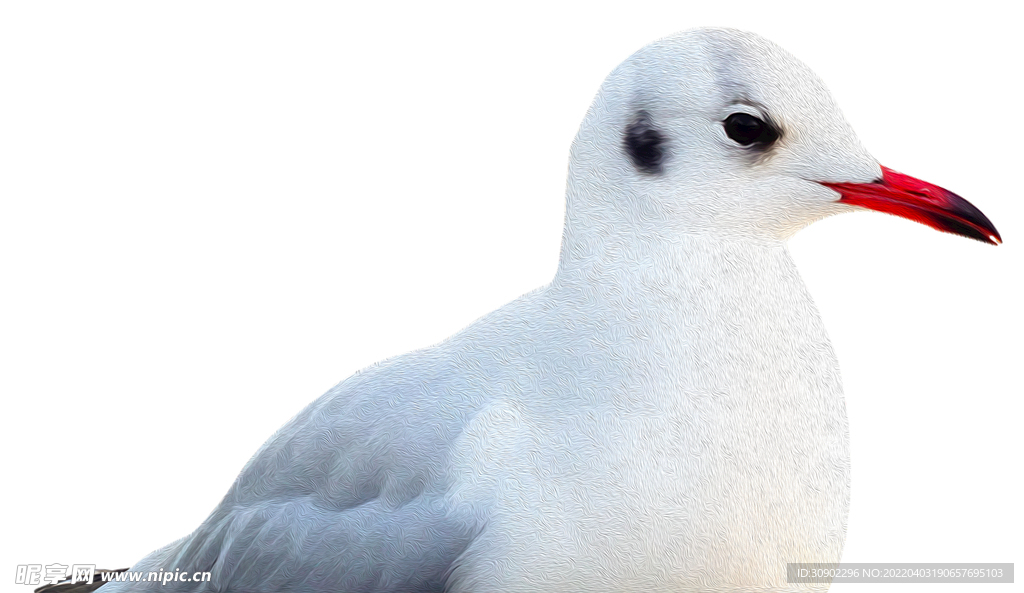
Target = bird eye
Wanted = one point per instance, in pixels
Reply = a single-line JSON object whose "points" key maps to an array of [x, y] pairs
{"points": [[748, 130]]}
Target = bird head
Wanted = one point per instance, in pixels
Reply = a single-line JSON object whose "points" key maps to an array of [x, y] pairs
{"points": [[721, 132]]}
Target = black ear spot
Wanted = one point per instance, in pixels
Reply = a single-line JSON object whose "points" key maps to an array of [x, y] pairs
{"points": [[644, 144]]}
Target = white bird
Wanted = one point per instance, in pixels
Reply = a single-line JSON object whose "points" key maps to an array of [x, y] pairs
{"points": [[665, 415]]}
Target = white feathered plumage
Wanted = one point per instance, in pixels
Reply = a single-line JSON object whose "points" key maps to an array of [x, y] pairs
{"points": [[666, 415]]}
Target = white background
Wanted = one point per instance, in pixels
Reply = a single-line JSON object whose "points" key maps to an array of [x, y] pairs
{"points": [[211, 213]]}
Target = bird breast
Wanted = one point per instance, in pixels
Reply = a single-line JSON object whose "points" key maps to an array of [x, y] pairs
{"points": [[702, 437]]}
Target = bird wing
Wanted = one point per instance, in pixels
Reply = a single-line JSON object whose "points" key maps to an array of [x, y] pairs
{"points": [[349, 495]]}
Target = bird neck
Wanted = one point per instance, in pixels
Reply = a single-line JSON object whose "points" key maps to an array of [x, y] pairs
{"points": [[689, 279], [720, 309], [618, 246]]}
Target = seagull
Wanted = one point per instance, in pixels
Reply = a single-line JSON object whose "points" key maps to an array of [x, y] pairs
{"points": [[666, 415]]}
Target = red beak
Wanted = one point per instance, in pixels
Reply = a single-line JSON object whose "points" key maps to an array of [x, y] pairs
{"points": [[919, 201]]}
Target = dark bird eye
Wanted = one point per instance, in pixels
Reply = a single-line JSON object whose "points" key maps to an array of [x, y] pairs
{"points": [[748, 130]]}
